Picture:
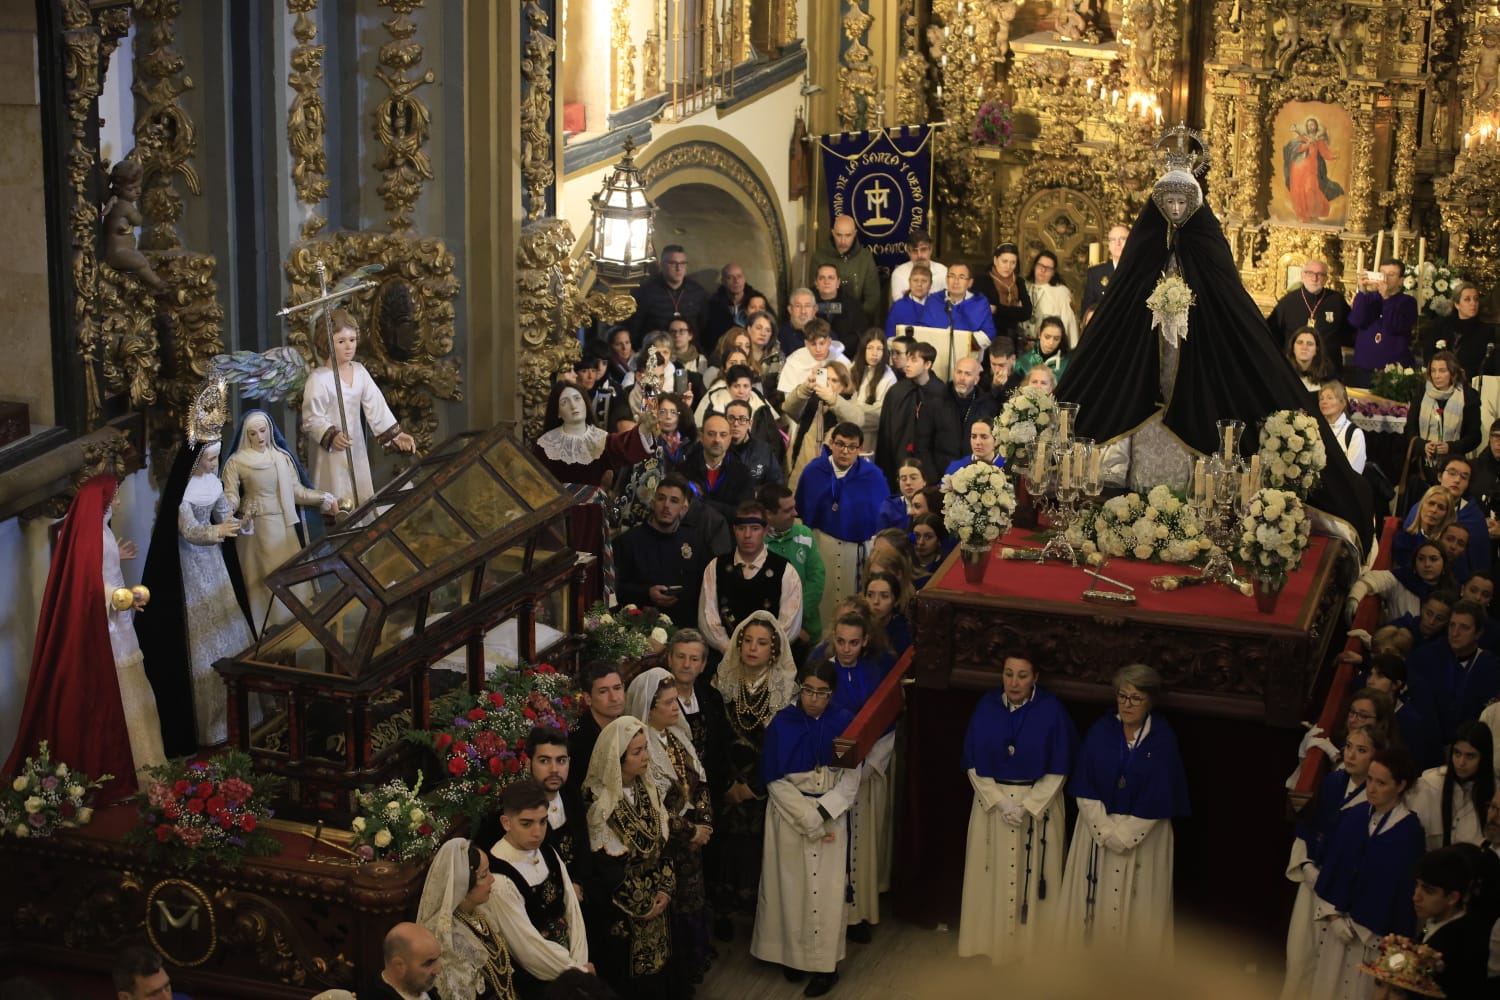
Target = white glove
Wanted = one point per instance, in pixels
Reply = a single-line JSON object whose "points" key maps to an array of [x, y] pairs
{"points": [[1012, 811], [1113, 841], [329, 502], [1310, 874], [1343, 929], [1351, 606]]}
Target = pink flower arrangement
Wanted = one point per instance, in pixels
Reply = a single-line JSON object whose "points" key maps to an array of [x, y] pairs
{"points": [[206, 810], [994, 125]]}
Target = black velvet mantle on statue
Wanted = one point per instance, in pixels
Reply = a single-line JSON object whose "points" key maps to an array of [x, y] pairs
{"points": [[161, 629], [1227, 367]]}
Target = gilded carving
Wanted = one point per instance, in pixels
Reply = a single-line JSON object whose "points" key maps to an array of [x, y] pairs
{"points": [[408, 317], [538, 166], [965, 63], [622, 62], [549, 307], [911, 70], [305, 124], [160, 80], [858, 77], [402, 120]]}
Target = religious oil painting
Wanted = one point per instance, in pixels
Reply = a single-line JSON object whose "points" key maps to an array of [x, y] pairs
{"points": [[1310, 149]]}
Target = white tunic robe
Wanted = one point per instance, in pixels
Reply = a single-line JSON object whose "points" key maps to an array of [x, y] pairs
{"points": [[329, 470], [1303, 930], [870, 832], [1001, 875], [142, 723], [1133, 893], [799, 916]]}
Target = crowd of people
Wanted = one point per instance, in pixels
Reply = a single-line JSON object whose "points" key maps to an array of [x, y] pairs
{"points": [[824, 440]]}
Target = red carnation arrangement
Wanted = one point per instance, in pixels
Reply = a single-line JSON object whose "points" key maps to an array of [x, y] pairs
{"points": [[206, 811], [481, 739]]}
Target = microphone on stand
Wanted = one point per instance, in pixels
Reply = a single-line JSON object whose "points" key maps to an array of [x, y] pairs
{"points": [[948, 308]]}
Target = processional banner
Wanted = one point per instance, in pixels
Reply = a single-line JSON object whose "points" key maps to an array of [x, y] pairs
{"points": [[883, 181]]}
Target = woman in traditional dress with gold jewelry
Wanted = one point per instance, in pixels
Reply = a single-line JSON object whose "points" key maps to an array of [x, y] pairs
{"points": [[475, 963], [628, 834], [757, 679], [683, 785], [265, 484]]}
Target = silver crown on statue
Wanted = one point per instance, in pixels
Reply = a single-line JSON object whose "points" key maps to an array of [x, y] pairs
{"points": [[1182, 148]]}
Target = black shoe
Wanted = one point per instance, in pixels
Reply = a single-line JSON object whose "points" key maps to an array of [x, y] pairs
{"points": [[821, 983], [793, 975], [860, 933], [724, 929]]}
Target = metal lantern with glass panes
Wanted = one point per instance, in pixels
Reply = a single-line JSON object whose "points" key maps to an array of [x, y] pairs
{"points": [[623, 221], [460, 564]]}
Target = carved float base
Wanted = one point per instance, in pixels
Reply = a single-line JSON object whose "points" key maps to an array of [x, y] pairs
{"points": [[282, 927]]}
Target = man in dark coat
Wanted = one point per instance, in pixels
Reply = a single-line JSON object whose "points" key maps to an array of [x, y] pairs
{"points": [[1100, 275], [918, 420], [1313, 303], [725, 307], [669, 292]]}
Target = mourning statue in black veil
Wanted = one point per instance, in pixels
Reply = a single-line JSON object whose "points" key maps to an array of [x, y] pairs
{"points": [[1122, 372], [199, 610]]}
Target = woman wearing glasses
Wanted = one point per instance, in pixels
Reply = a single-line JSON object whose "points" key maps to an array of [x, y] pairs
{"points": [[1129, 783], [799, 916]]}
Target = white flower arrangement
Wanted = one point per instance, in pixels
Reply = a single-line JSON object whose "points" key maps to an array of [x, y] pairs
{"points": [[1169, 303], [979, 504], [1274, 533], [1026, 415], [1160, 525], [1436, 279], [394, 823], [1291, 451]]}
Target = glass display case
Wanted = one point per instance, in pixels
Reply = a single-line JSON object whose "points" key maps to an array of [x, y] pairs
{"points": [[462, 561]]}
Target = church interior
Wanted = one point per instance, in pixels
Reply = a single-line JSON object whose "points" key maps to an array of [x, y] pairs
{"points": [[490, 204]]}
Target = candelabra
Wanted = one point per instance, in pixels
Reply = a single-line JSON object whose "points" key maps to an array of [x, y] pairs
{"points": [[1222, 483], [1068, 468]]}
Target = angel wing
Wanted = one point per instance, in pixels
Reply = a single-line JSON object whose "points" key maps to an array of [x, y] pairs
{"points": [[272, 375], [348, 281]]}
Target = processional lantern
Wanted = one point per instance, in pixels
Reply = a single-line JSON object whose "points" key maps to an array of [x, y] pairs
{"points": [[623, 222]]}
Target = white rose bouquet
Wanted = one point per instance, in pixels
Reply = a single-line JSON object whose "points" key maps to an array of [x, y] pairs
{"points": [[978, 506], [1169, 303], [46, 796], [1160, 525], [1291, 451], [1274, 534], [393, 823], [1027, 415], [1436, 279]]}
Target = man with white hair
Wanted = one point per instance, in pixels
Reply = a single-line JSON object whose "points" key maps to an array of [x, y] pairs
{"points": [[1313, 303]]}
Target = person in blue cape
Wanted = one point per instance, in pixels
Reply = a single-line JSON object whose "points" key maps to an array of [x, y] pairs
{"points": [[799, 917], [1018, 752], [1365, 887], [839, 495], [1341, 789], [859, 675], [1130, 785]]}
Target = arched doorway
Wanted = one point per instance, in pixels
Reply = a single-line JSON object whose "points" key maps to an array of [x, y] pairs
{"points": [[718, 202], [716, 230]]}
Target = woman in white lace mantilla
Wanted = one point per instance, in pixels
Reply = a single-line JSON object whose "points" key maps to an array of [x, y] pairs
{"points": [[475, 963]]}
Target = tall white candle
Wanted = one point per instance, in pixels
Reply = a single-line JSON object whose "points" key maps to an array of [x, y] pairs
{"points": [[1379, 249]]}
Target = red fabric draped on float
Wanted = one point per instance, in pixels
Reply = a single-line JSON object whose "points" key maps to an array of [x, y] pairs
{"points": [[1057, 581], [72, 694]]}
